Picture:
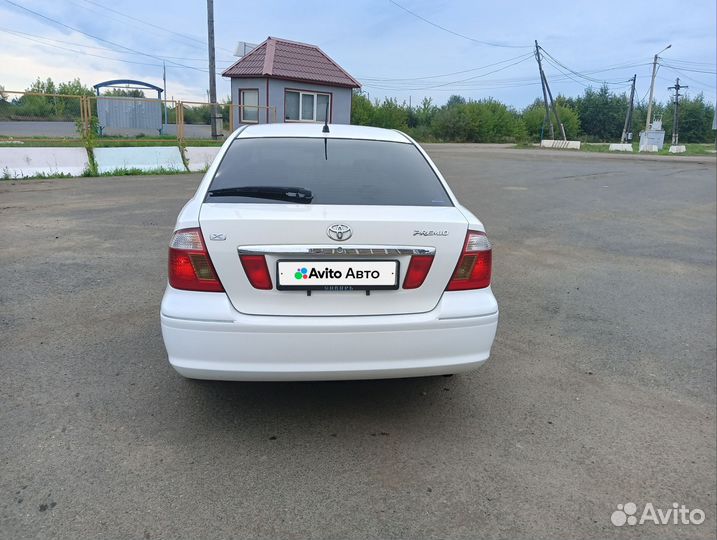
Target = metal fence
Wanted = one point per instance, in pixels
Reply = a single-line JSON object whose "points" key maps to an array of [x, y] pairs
{"points": [[30, 116], [119, 115]]}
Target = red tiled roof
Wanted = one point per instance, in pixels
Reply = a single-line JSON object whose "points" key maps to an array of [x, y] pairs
{"points": [[282, 59]]}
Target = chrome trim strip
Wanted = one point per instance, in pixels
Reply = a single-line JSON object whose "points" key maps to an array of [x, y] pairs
{"points": [[335, 251]]}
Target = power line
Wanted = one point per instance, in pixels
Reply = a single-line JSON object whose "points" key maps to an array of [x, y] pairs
{"points": [[451, 83], [553, 61], [38, 39], [700, 83], [406, 84], [43, 44], [86, 46], [657, 70], [458, 34], [469, 78], [55, 21], [566, 74], [409, 79], [684, 61], [152, 25], [691, 70]]}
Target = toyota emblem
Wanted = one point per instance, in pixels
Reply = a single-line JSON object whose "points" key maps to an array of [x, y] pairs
{"points": [[339, 232]]}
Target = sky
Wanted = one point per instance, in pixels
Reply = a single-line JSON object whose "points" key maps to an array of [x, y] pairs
{"points": [[404, 49]]}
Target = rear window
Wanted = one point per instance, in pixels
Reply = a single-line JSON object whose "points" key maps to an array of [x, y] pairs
{"points": [[337, 171]]}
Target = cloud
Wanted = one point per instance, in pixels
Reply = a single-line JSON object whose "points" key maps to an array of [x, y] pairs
{"points": [[371, 39], [31, 49]]}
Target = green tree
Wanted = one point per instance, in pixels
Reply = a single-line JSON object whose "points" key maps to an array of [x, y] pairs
{"points": [[5, 104], [125, 92], [361, 109], [534, 121], [42, 87], [426, 112], [421, 120], [495, 121], [571, 121], [601, 112], [390, 114], [695, 121], [74, 88], [534, 115], [455, 123], [53, 106], [455, 100]]}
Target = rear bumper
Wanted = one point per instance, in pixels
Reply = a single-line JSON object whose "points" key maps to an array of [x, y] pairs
{"points": [[206, 338]]}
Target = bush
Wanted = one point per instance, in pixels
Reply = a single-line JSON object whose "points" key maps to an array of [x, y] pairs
{"points": [[602, 114], [534, 115], [695, 121], [361, 110]]}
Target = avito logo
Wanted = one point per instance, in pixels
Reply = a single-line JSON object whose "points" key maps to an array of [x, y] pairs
{"points": [[627, 514], [331, 273]]}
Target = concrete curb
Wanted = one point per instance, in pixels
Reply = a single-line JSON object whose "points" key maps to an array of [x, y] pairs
{"points": [[564, 145], [536, 153], [200, 158], [19, 162], [620, 147], [144, 158]]}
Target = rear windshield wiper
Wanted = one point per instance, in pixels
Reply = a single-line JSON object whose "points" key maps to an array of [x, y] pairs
{"points": [[278, 193]]}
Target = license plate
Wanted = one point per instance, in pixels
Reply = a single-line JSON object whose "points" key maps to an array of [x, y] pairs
{"points": [[330, 275]]}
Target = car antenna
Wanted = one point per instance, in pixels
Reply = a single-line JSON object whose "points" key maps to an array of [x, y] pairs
{"points": [[325, 129]]}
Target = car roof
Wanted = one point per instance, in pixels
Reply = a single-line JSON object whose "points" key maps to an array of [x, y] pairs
{"points": [[336, 131]]}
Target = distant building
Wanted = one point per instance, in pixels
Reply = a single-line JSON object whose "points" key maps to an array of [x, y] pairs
{"points": [[287, 81]]}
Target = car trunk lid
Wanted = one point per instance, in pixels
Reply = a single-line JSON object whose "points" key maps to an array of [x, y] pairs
{"points": [[300, 232]]}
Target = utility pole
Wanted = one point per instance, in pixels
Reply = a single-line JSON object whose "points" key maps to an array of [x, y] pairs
{"points": [[212, 68], [676, 117], [627, 135], [545, 95], [555, 109], [648, 121], [164, 93]]}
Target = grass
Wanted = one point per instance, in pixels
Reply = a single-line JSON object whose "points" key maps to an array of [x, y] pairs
{"points": [[5, 174], [9, 142], [131, 171], [102, 142], [692, 149], [41, 176]]}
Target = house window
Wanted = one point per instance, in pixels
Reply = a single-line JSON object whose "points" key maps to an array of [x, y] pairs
{"points": [[305, 106], [249, 106]]}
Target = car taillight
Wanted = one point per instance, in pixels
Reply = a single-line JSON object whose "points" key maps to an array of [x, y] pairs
{"points": [[417, 271], [474, 267], [257, 271], [190, 267]]}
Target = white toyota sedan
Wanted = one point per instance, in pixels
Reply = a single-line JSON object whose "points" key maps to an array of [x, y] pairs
{"points": [[310, 255]]}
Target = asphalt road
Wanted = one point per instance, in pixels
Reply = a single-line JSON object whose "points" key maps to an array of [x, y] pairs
{"points": [[600, 390]]}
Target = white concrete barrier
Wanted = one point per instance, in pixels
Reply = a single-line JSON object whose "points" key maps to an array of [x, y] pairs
{"points": [[563, 145], [19, 162], [678, 149], [199, 158], [144, 158], [649, 148], [618, 147]]}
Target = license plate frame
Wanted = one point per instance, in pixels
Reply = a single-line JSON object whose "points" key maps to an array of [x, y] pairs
{"points": [[337, 288]]}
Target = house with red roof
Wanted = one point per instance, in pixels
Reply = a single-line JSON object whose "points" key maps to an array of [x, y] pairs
{"points": [[287, 81]]}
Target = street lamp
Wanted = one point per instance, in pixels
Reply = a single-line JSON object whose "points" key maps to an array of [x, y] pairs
{"points": [[648, 121]]}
